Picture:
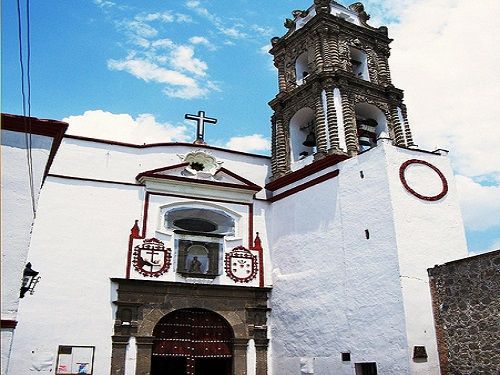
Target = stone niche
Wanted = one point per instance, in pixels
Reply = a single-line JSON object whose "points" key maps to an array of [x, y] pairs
{"points": [[141, 304]]}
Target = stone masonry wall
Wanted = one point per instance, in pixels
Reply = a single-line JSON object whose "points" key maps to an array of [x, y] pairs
{"points": [[466, 302]]}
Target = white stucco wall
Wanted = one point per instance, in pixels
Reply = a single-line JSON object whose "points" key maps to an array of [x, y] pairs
{"points": [[81, 241], [17, 219], [428, 233], [336, 291]]}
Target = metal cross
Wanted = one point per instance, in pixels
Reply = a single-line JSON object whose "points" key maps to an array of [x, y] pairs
{"points": [[200, 120]]}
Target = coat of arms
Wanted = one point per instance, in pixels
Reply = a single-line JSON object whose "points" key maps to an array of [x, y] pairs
{"points": [[241, 265], [151, 258]]}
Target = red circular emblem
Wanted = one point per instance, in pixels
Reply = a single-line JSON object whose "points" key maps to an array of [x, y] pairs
{"points": [[444, 183]]}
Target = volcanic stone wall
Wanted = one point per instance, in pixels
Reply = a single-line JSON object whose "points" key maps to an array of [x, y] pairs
{"points": [[466, 303]]}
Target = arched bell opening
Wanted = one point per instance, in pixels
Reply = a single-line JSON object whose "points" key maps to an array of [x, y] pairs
{"points": [[302, 134], [370, 123], [359, 63], [192, 342], [302, 68]]}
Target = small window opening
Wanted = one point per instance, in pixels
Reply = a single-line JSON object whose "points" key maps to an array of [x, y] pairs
{"points": [[346, 357], [367, 133], [301, 68], [361, 174], [359, 63], [367, 368], [367, 234], [195, 225]]}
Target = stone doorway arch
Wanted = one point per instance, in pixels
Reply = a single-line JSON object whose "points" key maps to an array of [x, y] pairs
{"points": [[192, 342]]}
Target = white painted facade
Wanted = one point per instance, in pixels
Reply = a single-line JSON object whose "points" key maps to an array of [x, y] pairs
{"points": [[17, 219], [334, 290]]}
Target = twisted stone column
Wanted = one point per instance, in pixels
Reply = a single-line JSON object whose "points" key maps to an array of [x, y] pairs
{"points": [[351, 134], [333, 47], [274, 163], [281, 148], [373, 67], [320, 130], [409, 137], [331, 118], [396, 125], [279, 63], [318, 52]]}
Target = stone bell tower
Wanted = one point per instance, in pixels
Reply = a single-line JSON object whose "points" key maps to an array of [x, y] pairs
{"points": [[335, 92]]}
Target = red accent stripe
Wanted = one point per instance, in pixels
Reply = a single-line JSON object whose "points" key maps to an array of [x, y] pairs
{"points": [[305, 185], [250, 226], [202, 182], [162, 169], [308, 170], [7, 323]]}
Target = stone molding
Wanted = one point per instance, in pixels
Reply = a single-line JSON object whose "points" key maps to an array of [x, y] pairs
{"points": [[244, 308]]}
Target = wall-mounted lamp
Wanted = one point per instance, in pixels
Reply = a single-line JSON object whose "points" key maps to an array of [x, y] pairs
{"points": [[30, 279]]}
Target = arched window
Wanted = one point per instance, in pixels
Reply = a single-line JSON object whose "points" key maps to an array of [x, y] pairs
{"points": [[301, 68], [370, 123], [199, 220], [359, 63], [302, 136]]}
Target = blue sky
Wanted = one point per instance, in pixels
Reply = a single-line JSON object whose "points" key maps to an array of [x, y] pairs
{"points": [[130, 70]]}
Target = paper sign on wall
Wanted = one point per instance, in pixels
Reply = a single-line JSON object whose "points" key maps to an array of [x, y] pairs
{"points": [[75, 360]]}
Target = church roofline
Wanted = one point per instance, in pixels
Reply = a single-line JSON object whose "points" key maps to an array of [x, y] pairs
{"points": [[44, 127], [163, 144]]}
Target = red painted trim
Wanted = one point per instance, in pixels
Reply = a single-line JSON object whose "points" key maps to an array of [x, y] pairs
{"points": [[305, 185], [93, 180], [308, 170], [258, 247], [48, 128], [433, 198], [239, 178], [7, 323], [250, 226], [196, 146], [163, 169], [202, 182], [145, 220]]}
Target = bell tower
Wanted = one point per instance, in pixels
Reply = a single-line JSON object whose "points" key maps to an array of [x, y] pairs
{"points": [[335, 92]]}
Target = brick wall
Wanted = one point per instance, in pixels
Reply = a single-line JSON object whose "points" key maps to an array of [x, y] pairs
{"points": [[466, 302]]}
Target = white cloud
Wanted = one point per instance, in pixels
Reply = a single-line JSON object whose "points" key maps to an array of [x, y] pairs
{"points": [[151, 72], [165, 16], [140, 29], [233, 31], [182, 58], [249, 143], [124, 128], [201, 40], [480, 204], [444, 57]]}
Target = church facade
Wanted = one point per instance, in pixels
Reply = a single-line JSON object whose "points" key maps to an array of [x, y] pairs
{"points": [[191, 259]]}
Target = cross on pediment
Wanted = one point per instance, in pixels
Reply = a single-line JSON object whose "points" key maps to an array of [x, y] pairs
{"points": [[200, 125]]}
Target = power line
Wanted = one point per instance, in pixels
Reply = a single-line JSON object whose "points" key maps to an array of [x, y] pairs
{"points": [[27, 124]]}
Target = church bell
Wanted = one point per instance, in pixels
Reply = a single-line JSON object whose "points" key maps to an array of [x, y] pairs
{"points": [[310, 140]]}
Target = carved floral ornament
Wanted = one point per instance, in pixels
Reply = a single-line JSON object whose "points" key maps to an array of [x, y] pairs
{"points": [[200, 163]]}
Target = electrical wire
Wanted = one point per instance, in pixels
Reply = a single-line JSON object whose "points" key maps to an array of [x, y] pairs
{"points": [[27, 126]]}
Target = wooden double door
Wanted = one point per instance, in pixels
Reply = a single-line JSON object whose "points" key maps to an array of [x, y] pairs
{"points": [[192, 342]]}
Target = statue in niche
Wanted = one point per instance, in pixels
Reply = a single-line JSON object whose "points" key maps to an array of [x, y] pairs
{"points": [[195, 265]]}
